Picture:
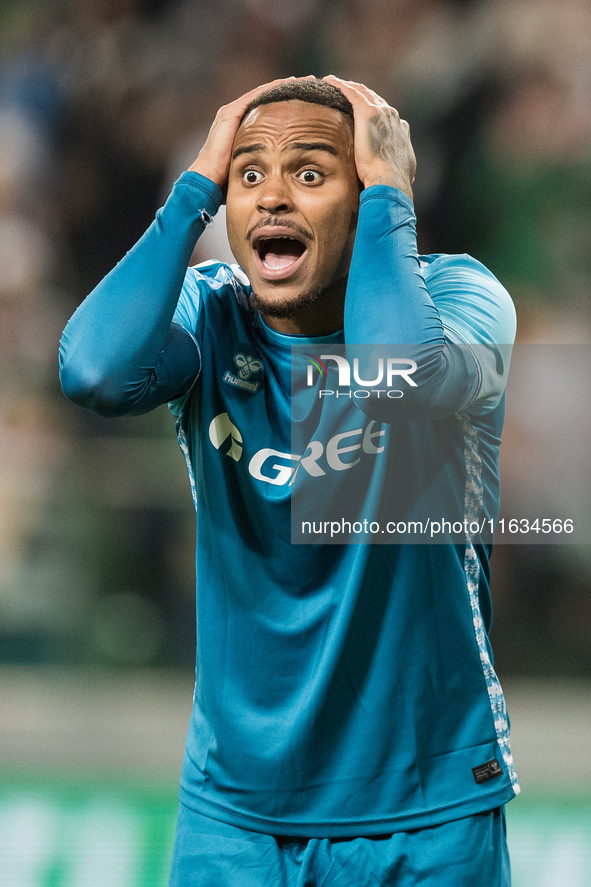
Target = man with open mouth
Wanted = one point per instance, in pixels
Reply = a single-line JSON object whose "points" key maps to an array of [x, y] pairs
{"points": [[348, 727], [292, 203]]}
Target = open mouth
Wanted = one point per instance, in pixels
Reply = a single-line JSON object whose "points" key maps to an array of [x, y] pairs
{"points": [[278, 256], [279, 252]]}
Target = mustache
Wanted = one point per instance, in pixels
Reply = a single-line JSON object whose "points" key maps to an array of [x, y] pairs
{"points": [[271, 221]]}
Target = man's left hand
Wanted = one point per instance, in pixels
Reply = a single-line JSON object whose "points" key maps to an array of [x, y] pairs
{"points": [[383, 151]]}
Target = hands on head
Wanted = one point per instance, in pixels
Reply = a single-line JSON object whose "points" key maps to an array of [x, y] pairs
{"points": [[213, 160], [383, 150]]}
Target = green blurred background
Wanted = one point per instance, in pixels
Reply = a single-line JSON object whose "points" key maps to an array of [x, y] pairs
{"points": [[102, 104]]}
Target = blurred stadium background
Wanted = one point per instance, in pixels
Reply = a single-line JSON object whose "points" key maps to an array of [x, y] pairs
{"points": [[102, 104]]}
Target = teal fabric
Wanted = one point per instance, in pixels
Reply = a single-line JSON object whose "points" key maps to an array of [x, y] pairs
{"points": [[469, 852], [341, 690]]}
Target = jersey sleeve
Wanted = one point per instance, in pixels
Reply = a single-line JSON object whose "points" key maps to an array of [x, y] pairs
{"points": [[478, 315], [448, 315], [121, 352]]}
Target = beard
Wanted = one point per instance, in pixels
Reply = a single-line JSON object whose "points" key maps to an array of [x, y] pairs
{"points": [[284, 308], [290, 308]]}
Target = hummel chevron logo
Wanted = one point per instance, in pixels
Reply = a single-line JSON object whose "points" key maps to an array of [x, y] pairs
{"points": [[220, 430], [247, 366]]}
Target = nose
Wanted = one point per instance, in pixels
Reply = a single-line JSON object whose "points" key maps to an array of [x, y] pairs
{"points": [[275, 195]]}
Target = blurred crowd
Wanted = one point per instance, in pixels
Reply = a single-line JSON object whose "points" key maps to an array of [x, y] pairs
{"points": [[102, 104]]}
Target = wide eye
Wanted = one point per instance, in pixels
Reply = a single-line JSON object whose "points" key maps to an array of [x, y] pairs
{"points": [[310, 176], [252, 176]]}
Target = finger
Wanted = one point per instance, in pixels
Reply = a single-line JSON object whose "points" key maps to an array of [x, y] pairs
{"points": [[345, 84], [352, 90], [239, 105], [253, 93], [278, 82]]}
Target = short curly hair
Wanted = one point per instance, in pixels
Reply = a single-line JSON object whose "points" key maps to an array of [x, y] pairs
{"points": [[317, 92]]}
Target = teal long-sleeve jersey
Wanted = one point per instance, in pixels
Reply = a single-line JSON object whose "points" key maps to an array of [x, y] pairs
{"points": [[341, 690]]}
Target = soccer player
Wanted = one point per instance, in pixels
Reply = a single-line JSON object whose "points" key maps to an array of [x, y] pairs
{"points": [[348, 727]]}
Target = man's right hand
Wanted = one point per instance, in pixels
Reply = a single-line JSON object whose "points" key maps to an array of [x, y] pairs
{"points": [[213, 160]]}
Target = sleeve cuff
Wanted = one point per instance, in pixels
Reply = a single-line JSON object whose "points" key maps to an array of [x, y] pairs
{"points": [[203, 187], [386, 191]]}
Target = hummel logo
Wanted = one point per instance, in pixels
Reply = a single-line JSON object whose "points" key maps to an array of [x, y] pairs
{"points": [[220, 429], [247, 365]]}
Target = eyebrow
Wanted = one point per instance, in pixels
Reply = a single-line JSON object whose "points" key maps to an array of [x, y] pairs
{"points": [[298, 146], [247, 149], [313, 146]]}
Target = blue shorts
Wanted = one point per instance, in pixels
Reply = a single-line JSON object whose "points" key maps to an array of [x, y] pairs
{"points": [[470, 852]]}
